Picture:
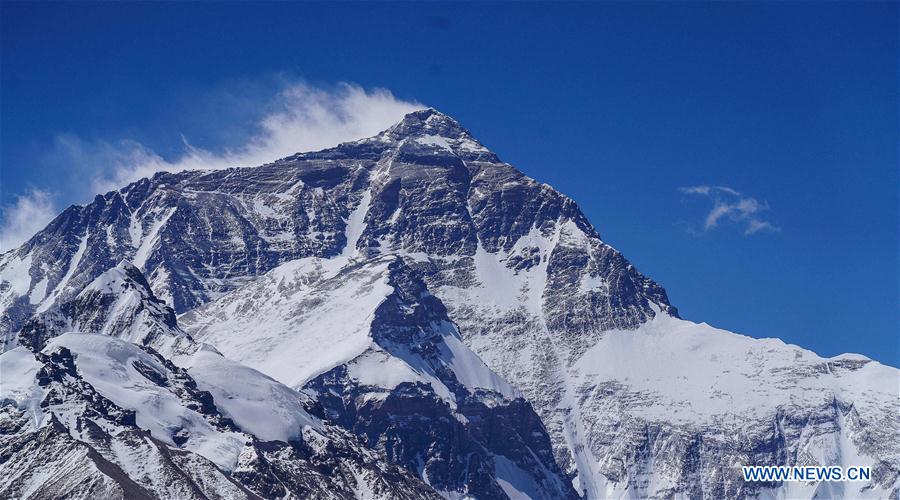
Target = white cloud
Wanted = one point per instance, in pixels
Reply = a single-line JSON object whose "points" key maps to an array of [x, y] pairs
{"points": [[29, 214], [729, 205], [708, 189], [300, 117]]}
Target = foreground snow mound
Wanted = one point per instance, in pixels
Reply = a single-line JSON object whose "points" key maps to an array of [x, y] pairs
{"points": [[61, 436], [92, 413], [258, 404], [378, 352]]}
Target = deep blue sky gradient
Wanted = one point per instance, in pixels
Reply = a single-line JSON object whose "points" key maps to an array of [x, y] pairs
{"points": [[615, 104]]}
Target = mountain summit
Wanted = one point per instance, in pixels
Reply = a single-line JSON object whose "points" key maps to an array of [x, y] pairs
{"points": [[635, 401], [431, 127]]}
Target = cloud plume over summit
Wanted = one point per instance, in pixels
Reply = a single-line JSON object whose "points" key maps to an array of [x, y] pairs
{"points": [[299, 117]]}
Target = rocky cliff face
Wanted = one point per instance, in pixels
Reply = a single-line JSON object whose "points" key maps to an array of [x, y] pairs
{"points": [[635, 400]]}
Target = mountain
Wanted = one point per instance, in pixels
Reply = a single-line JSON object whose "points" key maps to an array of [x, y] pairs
{"points": [[636, 402]]}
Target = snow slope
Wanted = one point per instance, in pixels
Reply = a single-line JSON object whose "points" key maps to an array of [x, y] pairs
{"points": [[256, 403], [308, 316], [368, 340]]}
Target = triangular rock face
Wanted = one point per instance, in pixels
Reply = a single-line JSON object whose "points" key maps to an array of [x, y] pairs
{"points": [[380, 355], [532, 288]]}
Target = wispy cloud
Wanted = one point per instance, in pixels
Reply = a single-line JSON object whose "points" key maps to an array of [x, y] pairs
{"points": [[302, 118], [28, 214], [730, 206], [299, 117]]}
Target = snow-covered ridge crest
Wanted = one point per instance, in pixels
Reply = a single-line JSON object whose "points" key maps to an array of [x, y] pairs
{"points": [[133, 379], [68, 439], [697, 390], [655, 392]]}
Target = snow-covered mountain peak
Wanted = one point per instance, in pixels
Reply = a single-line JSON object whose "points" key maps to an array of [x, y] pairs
{"points": [[119, 303], [123, 277], [429, 130], [428, 121]]}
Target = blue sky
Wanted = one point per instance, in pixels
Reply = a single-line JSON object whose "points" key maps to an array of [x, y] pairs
{"points": [[649, 115]]}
